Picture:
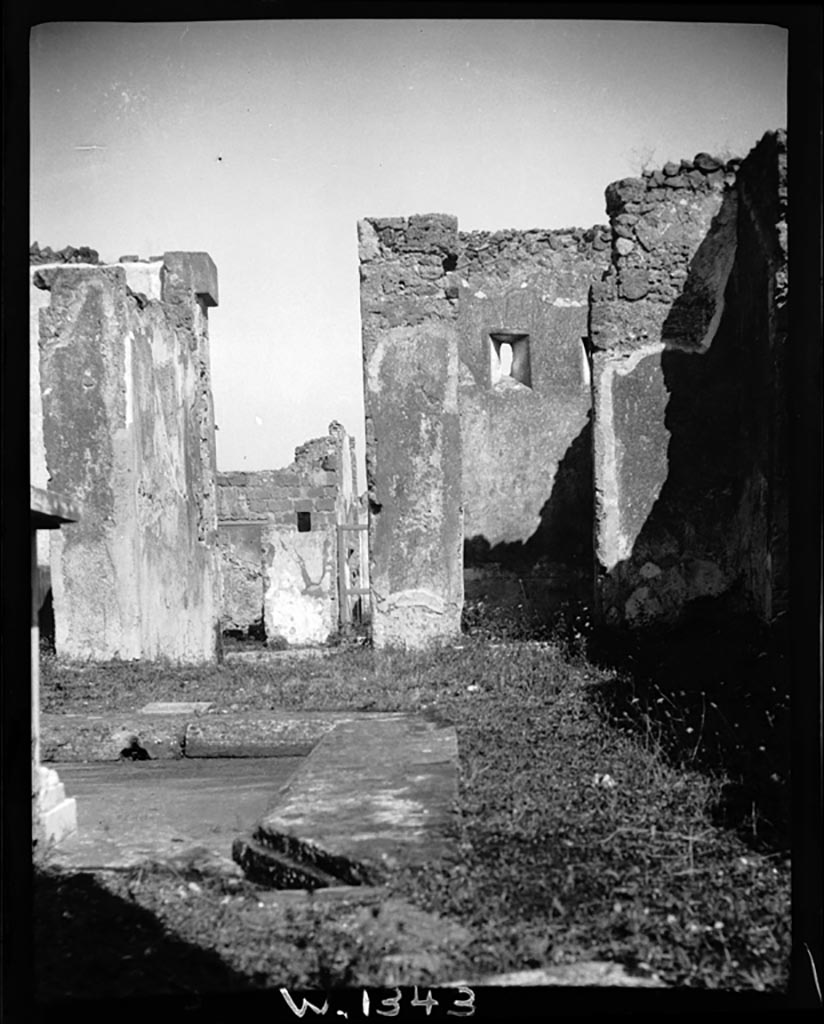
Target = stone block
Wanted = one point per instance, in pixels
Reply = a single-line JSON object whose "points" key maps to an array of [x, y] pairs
{"points": [[54, 815], [176, 707], [368, 243], [193, 272], [145, 279], [633, 284], [431, 233]]}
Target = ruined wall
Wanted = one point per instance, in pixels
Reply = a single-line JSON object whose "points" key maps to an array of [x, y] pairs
{"points": [[409, 298], [687, 330], [128, 433], [278, 541], [526, 443]]}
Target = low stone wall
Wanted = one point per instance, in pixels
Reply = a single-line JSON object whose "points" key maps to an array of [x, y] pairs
{"points": [[278, 541], [688, 332], [122, 423]]}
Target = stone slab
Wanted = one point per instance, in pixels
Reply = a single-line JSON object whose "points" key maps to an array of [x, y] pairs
{"points": [[584, 974], [250, 735], [287, 654], [375, 793], [155, 736], [176, 707]]}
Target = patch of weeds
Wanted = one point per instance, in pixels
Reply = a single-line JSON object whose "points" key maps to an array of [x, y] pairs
{"points": [[510, 623], [717, 700], [578, 832]]}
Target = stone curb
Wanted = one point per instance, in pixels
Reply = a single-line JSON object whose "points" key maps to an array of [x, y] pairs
{"points": [[109, 737], [139, 736], [583, 974]]}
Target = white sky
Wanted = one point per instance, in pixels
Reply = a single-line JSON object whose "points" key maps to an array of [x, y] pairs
{"points": [[263, 143]]}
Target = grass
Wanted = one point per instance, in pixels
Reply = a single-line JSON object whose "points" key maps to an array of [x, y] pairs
{"points": [[587, 827]]}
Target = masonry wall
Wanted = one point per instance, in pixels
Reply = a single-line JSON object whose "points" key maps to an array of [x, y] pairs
{"points": [[126, 430], [278, 541], [409, 298], [688, 331], [526, 446]]}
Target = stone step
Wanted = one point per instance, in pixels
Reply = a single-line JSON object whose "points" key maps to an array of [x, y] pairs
{"points": [[266, 866], [346, 870]]}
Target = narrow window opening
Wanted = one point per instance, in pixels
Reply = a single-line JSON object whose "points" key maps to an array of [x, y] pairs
{"points": [[586, 363], [304, 522], [506, 359], [510, 361]]}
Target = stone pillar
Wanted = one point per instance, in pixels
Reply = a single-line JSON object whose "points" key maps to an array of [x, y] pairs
{"points": [[128, 429], [54, 815], [413, 448]]}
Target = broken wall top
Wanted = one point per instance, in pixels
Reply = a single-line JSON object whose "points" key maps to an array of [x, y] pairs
{"points": [[173, 278], [674, 240], [315, 481], [670, 226], [549, 248]]}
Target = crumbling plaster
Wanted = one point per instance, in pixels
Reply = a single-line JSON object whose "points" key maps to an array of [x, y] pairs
{"points": [[413, 450], [128, 432]]}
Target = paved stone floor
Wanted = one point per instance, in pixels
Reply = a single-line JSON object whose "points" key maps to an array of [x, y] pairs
{"points": [[130, 811]]}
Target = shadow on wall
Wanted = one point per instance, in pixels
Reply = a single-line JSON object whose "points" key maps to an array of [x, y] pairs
{"points": [[554, 565], [688, 547], [45, 623], [704, 583]]}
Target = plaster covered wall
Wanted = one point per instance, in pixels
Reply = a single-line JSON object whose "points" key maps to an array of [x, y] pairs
{"points": [[526, 447], [409, 298], [126, 430], [688, 330], [276, 578]]}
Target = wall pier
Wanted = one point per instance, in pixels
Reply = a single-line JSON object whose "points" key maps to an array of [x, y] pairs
{"points": [[413, 455]]}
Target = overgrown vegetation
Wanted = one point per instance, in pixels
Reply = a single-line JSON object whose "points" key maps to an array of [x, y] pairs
{"points": [[589, 826]]}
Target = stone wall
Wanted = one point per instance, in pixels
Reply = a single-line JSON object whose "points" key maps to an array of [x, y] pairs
{"points": [[409, 299], [278, 541], [688, 331], [122, 424], [526, 443]]}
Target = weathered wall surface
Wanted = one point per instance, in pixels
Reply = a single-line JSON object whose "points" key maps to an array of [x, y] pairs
{"points": [[273, 521], [688, 338], [300, 598], [241, 569], [128, 432], [409, 299], [526, 447]]}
